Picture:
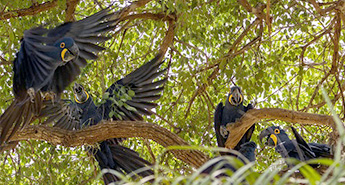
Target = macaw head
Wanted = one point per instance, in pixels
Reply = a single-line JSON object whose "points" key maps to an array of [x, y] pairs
{"points": [[274, 135], [68, 49], [80, 95], [235, 96]]}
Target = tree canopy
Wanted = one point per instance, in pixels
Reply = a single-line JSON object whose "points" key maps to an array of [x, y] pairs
{"points": [[283, 54]]}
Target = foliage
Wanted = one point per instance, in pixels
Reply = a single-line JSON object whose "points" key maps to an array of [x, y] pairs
{"points": [[280, 62]]}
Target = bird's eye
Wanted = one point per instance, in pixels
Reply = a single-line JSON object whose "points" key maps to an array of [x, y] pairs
{"points": [[276, 131], [62, 45]]}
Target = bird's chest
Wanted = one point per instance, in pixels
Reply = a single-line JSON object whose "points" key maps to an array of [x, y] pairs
{"points": [[287, 149], [90, 115], [232, 114]]}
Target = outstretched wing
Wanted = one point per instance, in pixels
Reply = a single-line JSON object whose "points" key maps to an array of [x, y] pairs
{"points": [[217, 123], [36, 63], [119, 158], [64, 114], [86, 33], [19, 114], [132, 96]]}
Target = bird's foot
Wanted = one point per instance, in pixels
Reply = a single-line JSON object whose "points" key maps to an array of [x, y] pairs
{"points": [[32, 94], [49, 96], [223, 131]]}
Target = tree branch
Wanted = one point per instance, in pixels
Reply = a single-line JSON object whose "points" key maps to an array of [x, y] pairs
{"points": [[153, 16], [125, 11], [112, 129], [337, 32], [169, 37], [32, 10], [70, 9], [238, 129]]}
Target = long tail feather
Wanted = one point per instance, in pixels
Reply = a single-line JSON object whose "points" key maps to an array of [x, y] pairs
{"points": [[19, 114], [121, 159]]}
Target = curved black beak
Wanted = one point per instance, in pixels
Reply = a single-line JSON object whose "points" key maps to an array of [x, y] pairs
{"points": [[271, 139], [77, 88], [263, 134], [80, 95], [236, 97], [71, 53]]}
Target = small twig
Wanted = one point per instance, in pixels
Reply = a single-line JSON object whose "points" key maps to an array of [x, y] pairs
{"points": [[316, 90], [201, 89], [147, 144], [194, 47], [304, 48], [299, 92], [99, 4], [167, 121], [268, 17], [33, 10], [4, 61], [341, 91], [286, 83]]}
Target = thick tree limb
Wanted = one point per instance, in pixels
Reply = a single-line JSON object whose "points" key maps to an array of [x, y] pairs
{"points": [[169, 37], [70, 9], [238, 129], [317, 7], [34, 9], [113, 129]]}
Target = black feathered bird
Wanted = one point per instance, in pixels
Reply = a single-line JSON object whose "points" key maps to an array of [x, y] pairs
{"points": [[247, 151], [128, 99], [230, 113], [47, 62], [299, 148]]}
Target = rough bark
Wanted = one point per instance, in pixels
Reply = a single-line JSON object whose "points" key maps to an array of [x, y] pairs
{"points": [[70, 9], [113, 129], [238, 129], [127, 129]]}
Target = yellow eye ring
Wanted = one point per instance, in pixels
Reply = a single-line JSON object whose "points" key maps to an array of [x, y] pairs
{"points": [[87, 97], [62, 45], [276, 131]]}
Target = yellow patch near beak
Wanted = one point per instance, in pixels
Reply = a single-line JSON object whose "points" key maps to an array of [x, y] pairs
{"points": [[230, 99], [274, 138], [87, 97], [63, 52], [241, 97]]}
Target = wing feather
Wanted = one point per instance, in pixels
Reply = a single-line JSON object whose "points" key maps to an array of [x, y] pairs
{"points": [[218, 123], [146, 87], [63, 114]]}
